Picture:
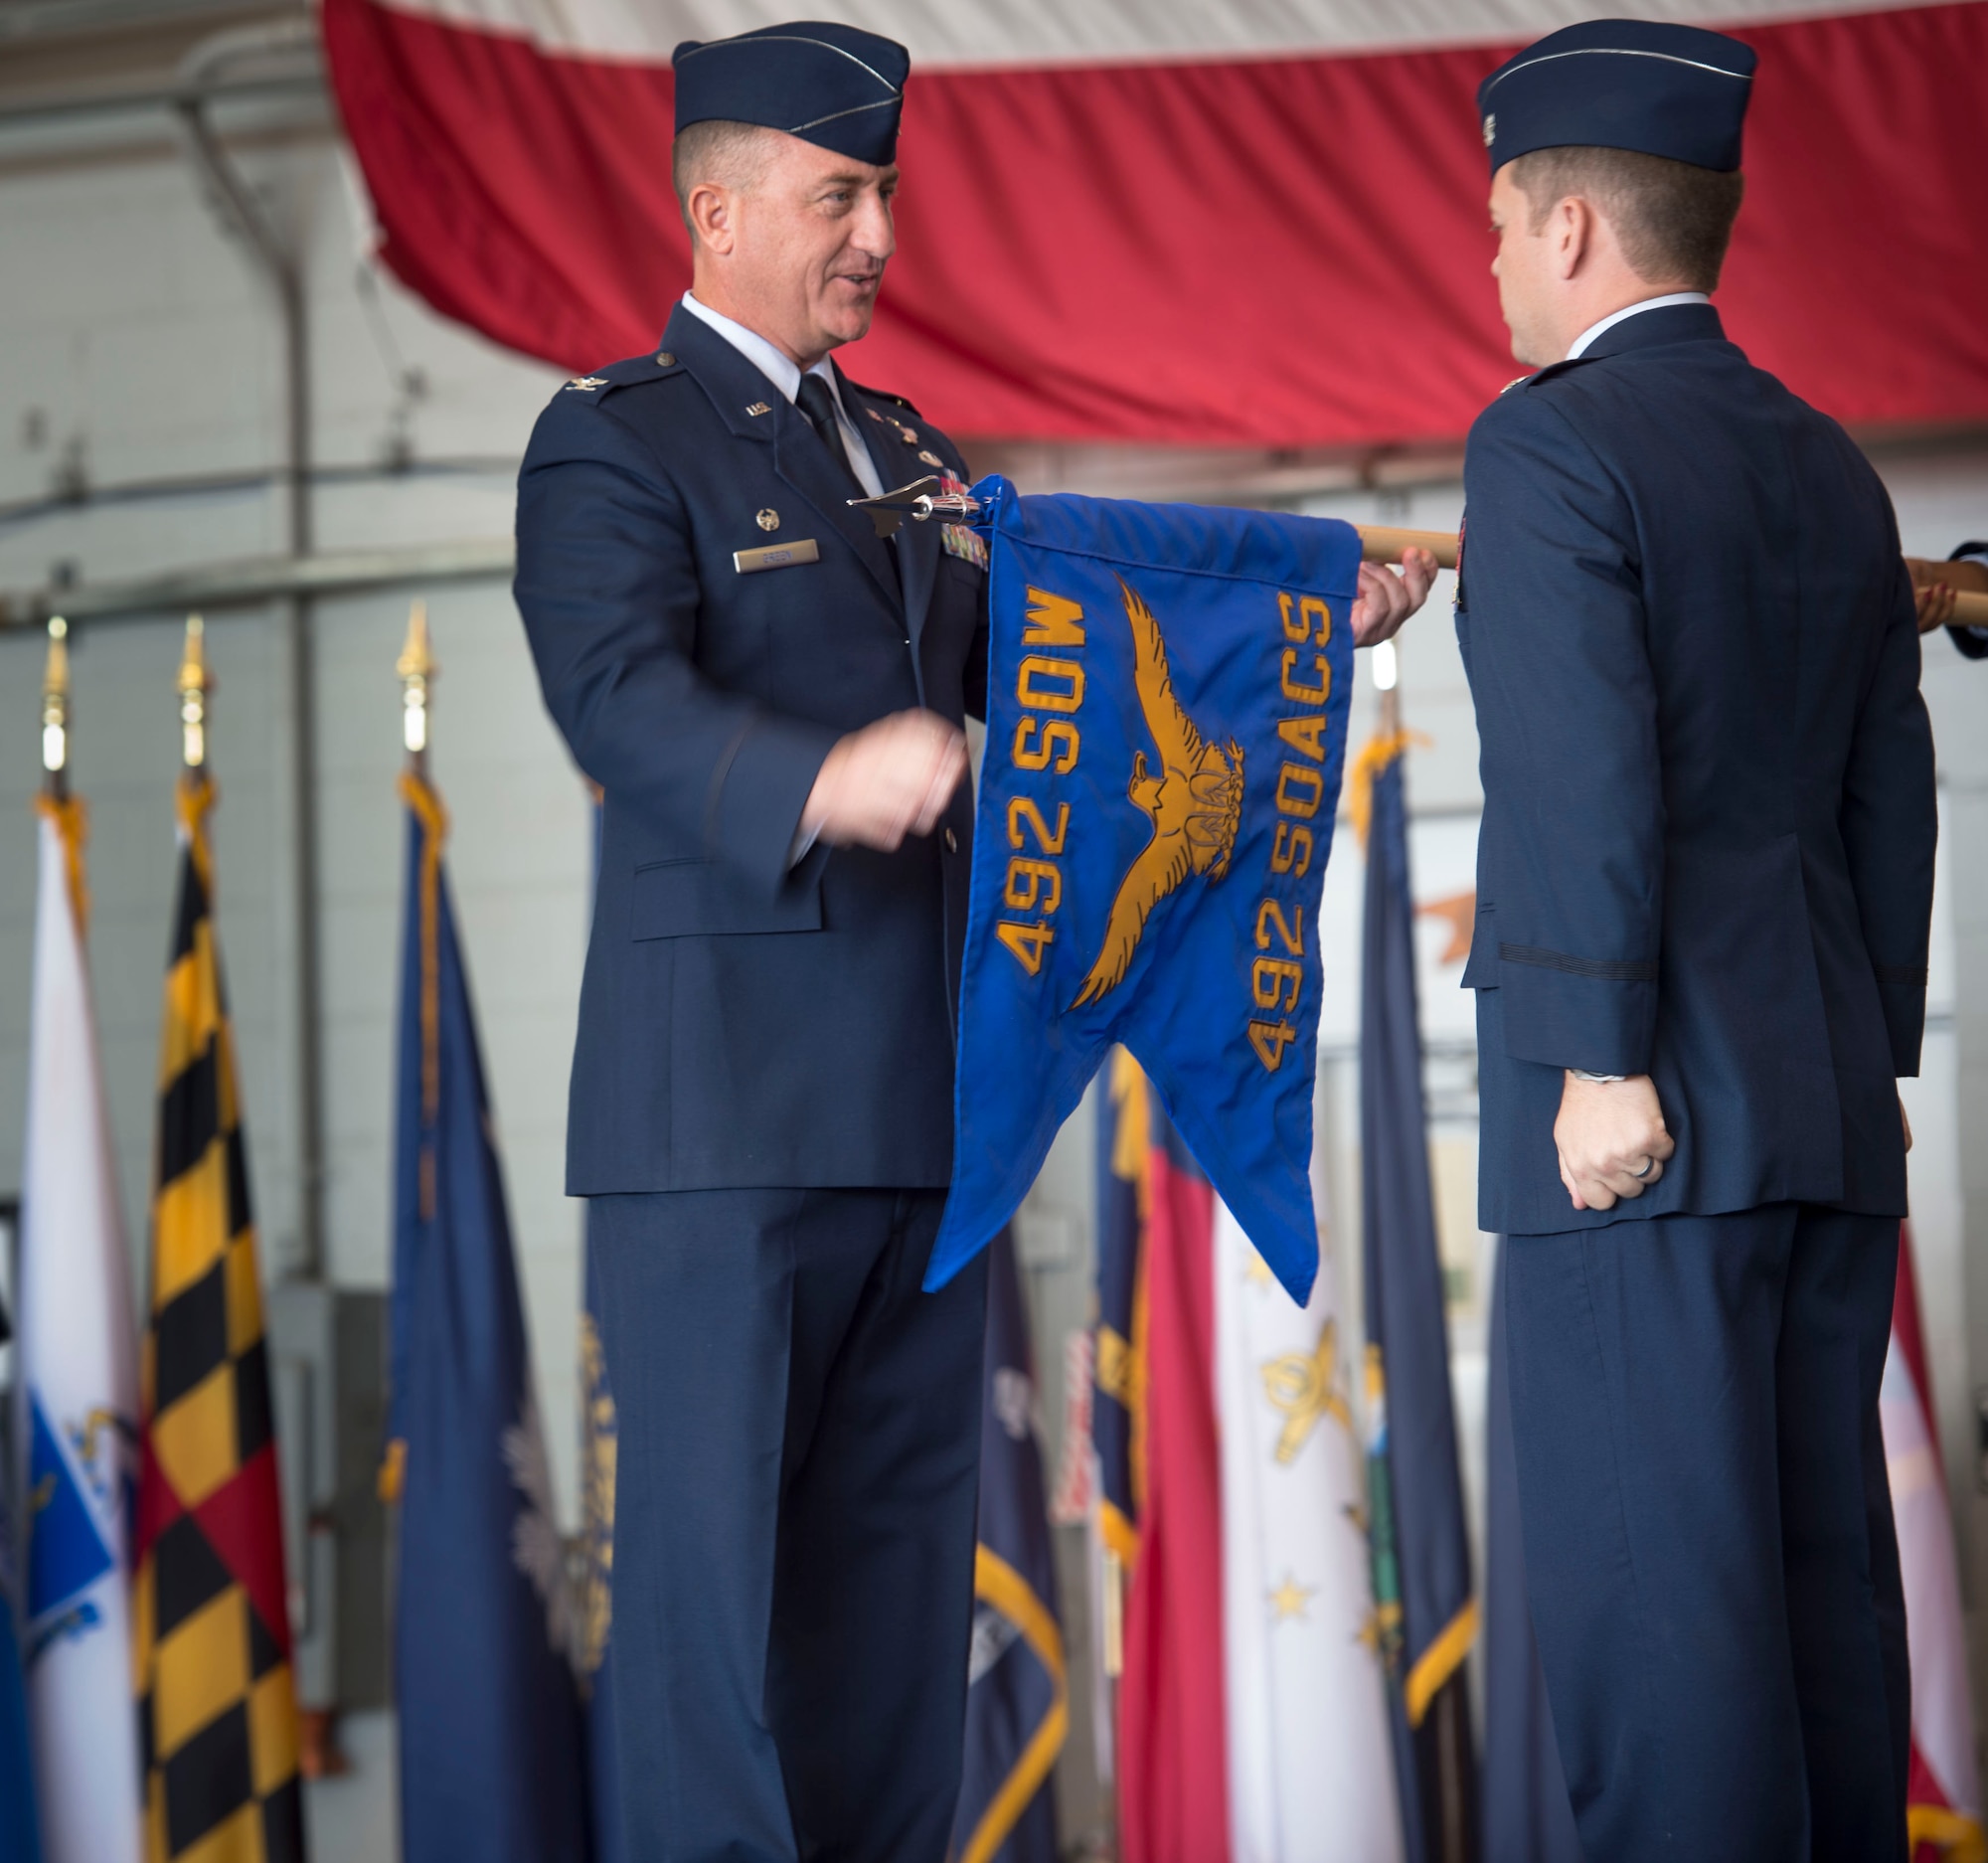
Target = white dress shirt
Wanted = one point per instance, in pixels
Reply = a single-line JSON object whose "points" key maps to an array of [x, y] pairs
{"points": [[1578, 346], [784, 373]]}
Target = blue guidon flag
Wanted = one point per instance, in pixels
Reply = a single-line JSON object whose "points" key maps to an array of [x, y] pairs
{"points": [[1166, 725]]}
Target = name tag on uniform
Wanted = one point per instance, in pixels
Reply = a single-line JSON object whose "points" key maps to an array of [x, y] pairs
{"points": [[775, 556]]}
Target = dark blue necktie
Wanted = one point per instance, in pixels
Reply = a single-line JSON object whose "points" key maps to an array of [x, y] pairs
{"points": [[819, 403]]}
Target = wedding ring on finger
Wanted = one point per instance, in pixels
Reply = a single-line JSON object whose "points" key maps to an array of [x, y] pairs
{"points": [[1648, 1165]]}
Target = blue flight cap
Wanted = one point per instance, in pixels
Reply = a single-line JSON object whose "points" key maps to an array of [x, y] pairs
{"points": [[829, 85], [1674, 91]]}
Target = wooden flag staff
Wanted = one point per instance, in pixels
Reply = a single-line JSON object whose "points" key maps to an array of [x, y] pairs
{"points": [[1378, 543]]}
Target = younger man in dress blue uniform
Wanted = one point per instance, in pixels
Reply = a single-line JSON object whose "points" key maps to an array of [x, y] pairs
{"points": [[1705, 886]]}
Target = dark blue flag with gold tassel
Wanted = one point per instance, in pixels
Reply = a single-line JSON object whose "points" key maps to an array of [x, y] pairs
{"points": [[489, 1718], [1427, 1613], [1017, 1699], [1166, 724], [593, 1649]]}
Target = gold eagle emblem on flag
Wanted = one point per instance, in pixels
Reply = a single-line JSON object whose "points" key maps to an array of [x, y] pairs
{"points": [[1195, 804]]}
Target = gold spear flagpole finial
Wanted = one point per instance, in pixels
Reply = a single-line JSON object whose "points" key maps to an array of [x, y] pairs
{"points": [[195, 683], [417, 667], [55, 708]]}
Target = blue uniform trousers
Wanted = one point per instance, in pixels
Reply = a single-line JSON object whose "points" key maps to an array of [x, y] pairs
{"points": [[1708, 1532], [799, 1451]]}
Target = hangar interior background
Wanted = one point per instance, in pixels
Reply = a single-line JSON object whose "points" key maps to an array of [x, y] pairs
{"points": [[189, 312]]}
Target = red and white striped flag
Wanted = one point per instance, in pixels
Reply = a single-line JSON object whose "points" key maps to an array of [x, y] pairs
{"points": [[1253, 1720], [1207, 275], [1943, 1795]]}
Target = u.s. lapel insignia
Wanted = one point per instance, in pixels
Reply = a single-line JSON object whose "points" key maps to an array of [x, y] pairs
{"points": [[959, 539], [587, 382], [758, 407]]}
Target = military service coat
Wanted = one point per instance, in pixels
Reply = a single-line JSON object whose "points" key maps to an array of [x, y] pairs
{"points": [[1709, 820], [746, 1020]]}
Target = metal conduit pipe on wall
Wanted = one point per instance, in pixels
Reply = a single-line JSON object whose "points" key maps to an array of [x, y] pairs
{"points": [[201, 75]]}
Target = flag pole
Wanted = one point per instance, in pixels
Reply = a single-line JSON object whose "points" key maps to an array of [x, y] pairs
{"points": [[55, 712], [1378, 543], [1388, 681], [195, 683], [417, 667]]}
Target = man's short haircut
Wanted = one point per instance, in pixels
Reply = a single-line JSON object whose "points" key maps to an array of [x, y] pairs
{"points": [[731, 155], [1674, 221]]}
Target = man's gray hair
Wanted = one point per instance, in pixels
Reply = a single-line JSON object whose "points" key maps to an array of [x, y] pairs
{"points": [[726, 154]]}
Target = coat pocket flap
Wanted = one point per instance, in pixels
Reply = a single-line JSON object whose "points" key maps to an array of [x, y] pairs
{"points": [[1480, 968], [700, 899]]}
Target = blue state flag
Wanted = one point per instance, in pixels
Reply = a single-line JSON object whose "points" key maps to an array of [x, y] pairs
{"points": [[1166, 725], [1427, 1612], [20, 1841], [593, 1652], [1017, 1698], [489, 1714], [593, 1646]]}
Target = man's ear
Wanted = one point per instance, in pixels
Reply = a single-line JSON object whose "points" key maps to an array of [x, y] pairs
{"points": [[1572, 228], [711, 211]]}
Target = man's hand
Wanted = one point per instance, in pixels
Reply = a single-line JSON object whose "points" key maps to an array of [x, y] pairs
{"points": [[1934, 585], [1386, 599], [885, 782], [1611, 1139]]}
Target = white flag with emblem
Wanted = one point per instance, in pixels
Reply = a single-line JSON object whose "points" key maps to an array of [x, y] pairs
{"points": [[1311, 1777], [78, 1387]]}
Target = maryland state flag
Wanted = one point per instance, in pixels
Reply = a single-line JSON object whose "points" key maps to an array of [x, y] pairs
{"points": [[1167, 694], [1125, 1197], [1017, 1699], [218, 1720]]}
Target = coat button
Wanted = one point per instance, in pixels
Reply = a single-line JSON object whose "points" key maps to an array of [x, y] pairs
{"points": [[952, 842]]}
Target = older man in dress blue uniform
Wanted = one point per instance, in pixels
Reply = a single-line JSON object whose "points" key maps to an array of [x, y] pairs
{"points": [[770, 698], [1705, 891]]}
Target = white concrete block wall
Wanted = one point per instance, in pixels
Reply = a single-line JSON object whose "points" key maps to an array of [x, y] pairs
{"points": [[137, 329]]}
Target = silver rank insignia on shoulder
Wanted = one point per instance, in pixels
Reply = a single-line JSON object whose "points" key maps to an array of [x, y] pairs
{"points": [[758, 407], [586, 382]]}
